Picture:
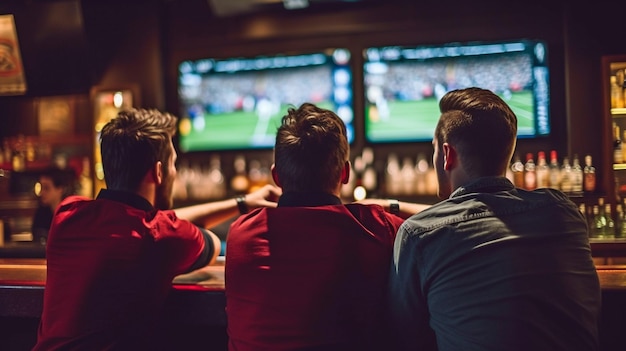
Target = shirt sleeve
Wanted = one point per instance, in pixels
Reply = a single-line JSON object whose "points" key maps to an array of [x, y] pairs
{"points": [[207, 252], [184, 246]]}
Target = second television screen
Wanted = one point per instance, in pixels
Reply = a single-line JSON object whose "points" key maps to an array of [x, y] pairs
{"points": [[238, 103], [403, 85]]}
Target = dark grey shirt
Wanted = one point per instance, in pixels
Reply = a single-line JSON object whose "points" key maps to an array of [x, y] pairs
{"points": [[495, 268]]}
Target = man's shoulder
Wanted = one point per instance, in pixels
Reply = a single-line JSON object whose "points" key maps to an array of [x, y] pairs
{"points": [[480, 205]]}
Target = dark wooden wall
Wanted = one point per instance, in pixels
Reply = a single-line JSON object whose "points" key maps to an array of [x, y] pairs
{"points": [[140, 43]]}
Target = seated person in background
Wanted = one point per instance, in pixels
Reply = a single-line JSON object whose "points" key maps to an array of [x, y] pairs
{"points": [[56, 185], [111, 261], [491, 267], [312, 273]]}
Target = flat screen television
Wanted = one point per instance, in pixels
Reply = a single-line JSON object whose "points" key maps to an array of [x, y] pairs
{"points": [[403, 85], [237, 103]]}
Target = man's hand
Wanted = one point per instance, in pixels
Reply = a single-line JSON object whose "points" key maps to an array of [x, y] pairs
{"points": [[267, 196]]}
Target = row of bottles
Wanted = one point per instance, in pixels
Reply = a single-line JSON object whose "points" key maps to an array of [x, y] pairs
{"points": [[207, 182], [407, 177], [398, 177], [20, 153], [604, 221], [570, 177]]}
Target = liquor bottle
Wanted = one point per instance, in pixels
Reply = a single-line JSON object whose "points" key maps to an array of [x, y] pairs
{"points": [[407, 174], [530, 173], [620, 225], [240, 183], [370, 176], [610, 223], [542, 170], [617, 96], [589, 176], [216, 177], [421, 171], [624, 146], [555, 171], [599, 220], [566, 176], [517, 168], [617, 144], [392, 175], [577, 176]]}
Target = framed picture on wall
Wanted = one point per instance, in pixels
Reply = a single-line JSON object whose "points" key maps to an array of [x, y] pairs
{"points": [[12, 79]]}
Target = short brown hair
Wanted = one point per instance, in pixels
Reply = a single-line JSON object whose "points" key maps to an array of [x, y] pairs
{"points": [[132, 142], [311, 149], [61, 178], [481, 126]]}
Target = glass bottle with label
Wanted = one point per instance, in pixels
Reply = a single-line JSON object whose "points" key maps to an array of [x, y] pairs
{"points": [[566, 176], [609, 232], [577, 176], [617, 95], [240, 183], [555, 171], [599, 220], [617, 144], [517, 168], [542, 170], [530, 173], [620, 225], [589, 176]]}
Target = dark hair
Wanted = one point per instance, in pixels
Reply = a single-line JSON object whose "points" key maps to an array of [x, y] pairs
{"points": [[481, 126], [311, 149], [132, 142], [61, 178]]}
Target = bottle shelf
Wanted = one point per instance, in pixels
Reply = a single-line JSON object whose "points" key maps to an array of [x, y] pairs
{"points": [[619, 166], [618, 112]]}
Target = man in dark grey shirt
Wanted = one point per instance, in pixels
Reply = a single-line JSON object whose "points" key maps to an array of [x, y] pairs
{"points": [[491, 267]]}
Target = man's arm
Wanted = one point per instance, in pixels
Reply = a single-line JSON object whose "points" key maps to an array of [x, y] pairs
{"points": [[212, 239], [210, 214], [399, 208]]}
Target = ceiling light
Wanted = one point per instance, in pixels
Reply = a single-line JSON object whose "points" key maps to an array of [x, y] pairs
{"points": [[295, 4]]}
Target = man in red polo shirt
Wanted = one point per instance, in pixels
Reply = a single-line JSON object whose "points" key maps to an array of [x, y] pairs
{"points": [[111, 261], [312, 273]]}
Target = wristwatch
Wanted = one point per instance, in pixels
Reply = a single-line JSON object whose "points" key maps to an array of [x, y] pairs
{"points": [[241, 204], [394, 206]]}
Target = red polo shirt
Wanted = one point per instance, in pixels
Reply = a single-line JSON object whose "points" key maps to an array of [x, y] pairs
{"points": [[306, 278], [110, 264]]}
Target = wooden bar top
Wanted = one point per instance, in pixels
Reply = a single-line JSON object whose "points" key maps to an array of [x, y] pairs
{"points": [[32, 272], [22, 282]]}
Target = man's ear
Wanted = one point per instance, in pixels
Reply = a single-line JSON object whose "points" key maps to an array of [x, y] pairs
{"points": [[450, 157], [275, 176], [155, 174], [345, 173]]}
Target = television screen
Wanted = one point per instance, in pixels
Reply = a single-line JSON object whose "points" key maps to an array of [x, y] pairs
{"points": [[403, 85], [237, 103]]}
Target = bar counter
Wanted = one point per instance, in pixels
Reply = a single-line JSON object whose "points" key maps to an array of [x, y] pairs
{"points": [[195, 310], [196, 307]]}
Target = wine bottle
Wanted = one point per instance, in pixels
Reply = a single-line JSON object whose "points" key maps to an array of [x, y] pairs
{"points": [[542, 170], [555, 171], [589, 176], [530, 173]]}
